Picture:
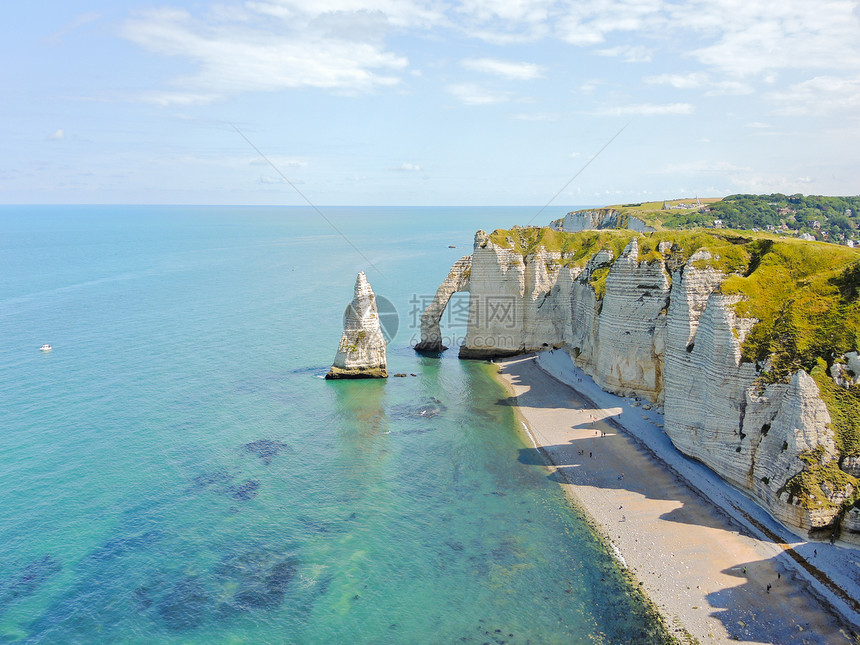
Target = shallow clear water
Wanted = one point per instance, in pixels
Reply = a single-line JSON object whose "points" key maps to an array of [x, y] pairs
{"points": [[176, 469]]}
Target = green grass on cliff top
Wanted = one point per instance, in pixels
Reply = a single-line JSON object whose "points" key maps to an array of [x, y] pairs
{"points": [[804, 295], [652, 213], [577, 249]]}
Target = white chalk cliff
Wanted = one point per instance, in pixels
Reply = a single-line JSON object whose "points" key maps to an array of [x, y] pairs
{"points": [[361, 352], [599, 218], [664, 331]]}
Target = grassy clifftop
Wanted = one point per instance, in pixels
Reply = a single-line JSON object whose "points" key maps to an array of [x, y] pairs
{"points": [[831, 219], [804, 295]]}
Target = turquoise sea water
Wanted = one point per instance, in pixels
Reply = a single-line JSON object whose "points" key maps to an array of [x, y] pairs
{"points": [[176, 470]]}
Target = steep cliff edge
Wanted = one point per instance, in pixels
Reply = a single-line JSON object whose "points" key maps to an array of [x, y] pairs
{"points": [[601, 218], [749, 343], [361, 351]]}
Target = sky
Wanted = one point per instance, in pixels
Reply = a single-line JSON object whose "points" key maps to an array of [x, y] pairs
{"points": [[402, 102]]}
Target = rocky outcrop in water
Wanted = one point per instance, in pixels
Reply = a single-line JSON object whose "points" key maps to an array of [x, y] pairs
{"points": [[361, 352], [659, 327]]}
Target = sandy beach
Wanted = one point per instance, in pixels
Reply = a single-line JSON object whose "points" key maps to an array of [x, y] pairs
{"points": [[709, 575]]}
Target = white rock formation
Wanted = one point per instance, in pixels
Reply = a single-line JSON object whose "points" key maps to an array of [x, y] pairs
{"points": [[496, 303], [361, 353], [632, 327], [600, 218], [457, 280], [847, 373], [664, 331]]}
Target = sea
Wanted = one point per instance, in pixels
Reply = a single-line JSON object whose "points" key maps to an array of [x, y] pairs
{"points": [[177, 470]]}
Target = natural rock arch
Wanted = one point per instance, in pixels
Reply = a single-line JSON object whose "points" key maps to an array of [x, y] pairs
{"points": [[457, 280]]}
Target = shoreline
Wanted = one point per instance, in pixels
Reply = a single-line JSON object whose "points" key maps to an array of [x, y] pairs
{"points": [[699, 559]]}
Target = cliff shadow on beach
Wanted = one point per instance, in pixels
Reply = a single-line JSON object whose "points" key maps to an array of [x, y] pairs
{"points": [[593, 461], [586, 445], [643, 505]]}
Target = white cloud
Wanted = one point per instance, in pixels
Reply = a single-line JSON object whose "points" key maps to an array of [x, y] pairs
{"points": [[772, 183], [269, 179], [693, 80], [278, 162], [737, 37], [628, 53], [505, 21], [472, 94], [407, 167], [264, 53], [538, 116], [590, 22], [757, 37], [718, 88], [700, 81], [705, 166], [165, 98], [397, 13], [506, 69], [650, 109], [737, 178], [79, 21], [527, 11], [57, 135], [589, 86], [758, 125], [819, 96], [339, 45]]}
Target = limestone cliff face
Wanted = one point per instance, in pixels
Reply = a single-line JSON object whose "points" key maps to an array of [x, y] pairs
{"points": [[361, 352], [585, 310], [662, 330], [600, 218], [517, 304], [522, 304], [496, 301], [632, 327], [756, 437]]}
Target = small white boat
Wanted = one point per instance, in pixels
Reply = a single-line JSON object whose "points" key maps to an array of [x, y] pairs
{"points": [[46, 348]]}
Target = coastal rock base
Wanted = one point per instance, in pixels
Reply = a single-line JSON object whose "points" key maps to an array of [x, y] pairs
{"points": [[482, 353], [372, 372], [430, 347]]}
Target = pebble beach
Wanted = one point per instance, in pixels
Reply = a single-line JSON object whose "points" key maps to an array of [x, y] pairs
{"points": [[709, 575]]}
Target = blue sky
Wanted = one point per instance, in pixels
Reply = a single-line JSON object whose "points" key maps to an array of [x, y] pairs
{"points": [[478, 102]]}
